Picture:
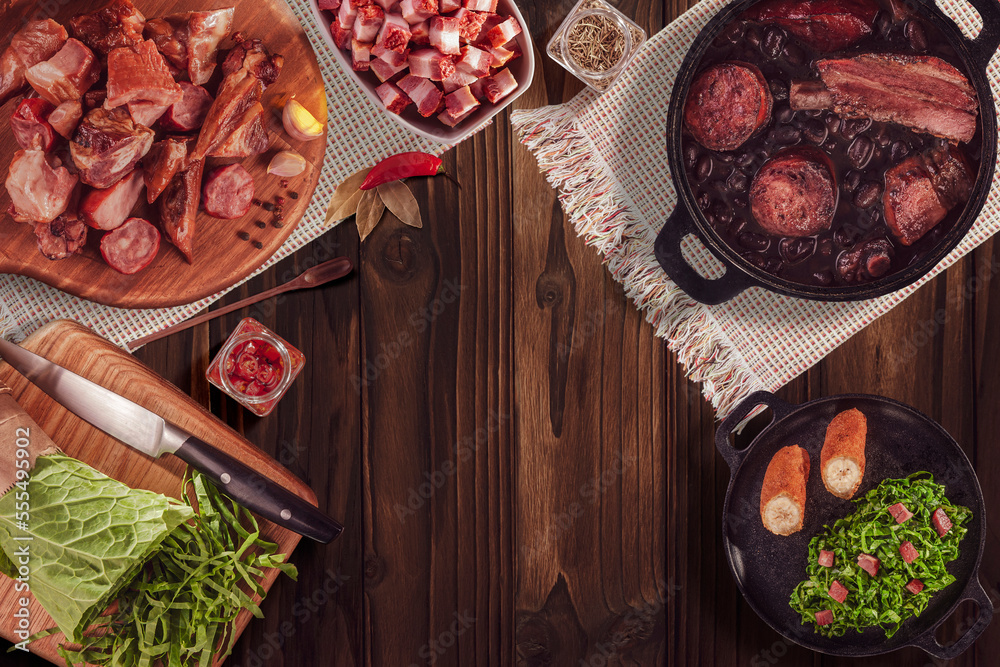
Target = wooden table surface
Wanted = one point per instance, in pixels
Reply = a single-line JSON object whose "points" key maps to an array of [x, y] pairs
{"points": [[526, 475]]}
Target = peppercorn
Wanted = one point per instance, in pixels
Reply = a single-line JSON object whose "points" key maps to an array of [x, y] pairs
{"points": [[258, 245], [261, 224], [293, 195], [276, 224], [243, 236], [268, 206], [255, 202]]}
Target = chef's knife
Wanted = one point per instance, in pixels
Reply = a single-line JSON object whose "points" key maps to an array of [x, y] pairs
{"points": [[149, 433]]}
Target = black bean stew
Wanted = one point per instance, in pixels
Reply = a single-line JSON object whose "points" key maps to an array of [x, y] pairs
{"points": [[858, 246]]}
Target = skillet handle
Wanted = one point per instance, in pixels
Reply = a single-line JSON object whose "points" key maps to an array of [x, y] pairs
{"points": [[779, 410], [929, 643], [668, 254], [986, 43]]}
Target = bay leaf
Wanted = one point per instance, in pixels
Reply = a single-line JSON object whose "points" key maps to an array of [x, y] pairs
{"points": [[346, 197], [398, 199], [370, 210]]}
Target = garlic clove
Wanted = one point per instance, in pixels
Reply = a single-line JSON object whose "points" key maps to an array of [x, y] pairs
{"points": [[287, 163], [299, 123]]}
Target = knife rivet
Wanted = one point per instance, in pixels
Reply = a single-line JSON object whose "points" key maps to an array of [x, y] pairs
{"points": [[286, 515], [226, 479]]}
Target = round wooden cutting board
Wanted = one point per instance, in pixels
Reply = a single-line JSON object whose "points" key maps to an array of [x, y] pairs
{"points": [[221, 258]]}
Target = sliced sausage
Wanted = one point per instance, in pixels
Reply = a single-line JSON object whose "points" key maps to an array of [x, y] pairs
{"points": [[726, 105], [920, 190], [783, 493], [29, 123], [131, 247], [228, 192], [188, 113], [794, 193], [842, 459], [61, 238], [107, 208]]}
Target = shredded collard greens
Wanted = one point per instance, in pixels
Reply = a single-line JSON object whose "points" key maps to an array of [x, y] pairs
{"points": [[180, 609], [882, 600]]}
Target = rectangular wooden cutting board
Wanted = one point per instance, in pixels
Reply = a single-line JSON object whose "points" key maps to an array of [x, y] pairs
{"points": [[84, 352]]}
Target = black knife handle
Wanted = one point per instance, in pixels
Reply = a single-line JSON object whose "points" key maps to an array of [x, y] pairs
{"points": [[258, 493]]}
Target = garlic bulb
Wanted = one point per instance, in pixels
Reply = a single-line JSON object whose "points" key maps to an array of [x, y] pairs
{"points": [[299, 123], [287, 163]]}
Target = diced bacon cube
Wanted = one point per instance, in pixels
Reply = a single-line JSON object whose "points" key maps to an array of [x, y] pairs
{"points": [[838, 592], [515, 49], [942, 524], [461, 101], [458, 80], [361, 55], [451, 120], [504, 32], [444, 35], [391, 57], [908, 552], [825, 558], [385, 71], [445, 6], [900, 513], [474, 61], [915, 586], [368, 23], [386, 5], [824, 617], [478, 88], [491, 21], [420, 33], [341, 37], [481, 5], [417, 11], [347, 15], [394, 35], [394, 99], [424, 94], [501, 55], [329, 5], [868, 563], [499, 86], [470, 24], [431, 64]]}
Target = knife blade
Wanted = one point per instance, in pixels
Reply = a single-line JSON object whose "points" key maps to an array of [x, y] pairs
{"points": [[149, 433]]}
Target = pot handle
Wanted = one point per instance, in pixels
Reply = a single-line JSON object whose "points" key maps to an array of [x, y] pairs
{"points": [[779, 410], [704, 290], [929, 643], [985, 44]]}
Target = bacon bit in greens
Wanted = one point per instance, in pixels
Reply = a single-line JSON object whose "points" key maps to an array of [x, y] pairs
{"points": [[180, 609], [885, 600]]}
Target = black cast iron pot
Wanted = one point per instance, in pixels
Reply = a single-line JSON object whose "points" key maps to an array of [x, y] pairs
{"points": [[740, 274], [901, 441]]}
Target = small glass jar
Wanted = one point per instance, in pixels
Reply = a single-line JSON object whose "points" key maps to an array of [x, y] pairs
{"points": [[631, 36], [256, 367]]}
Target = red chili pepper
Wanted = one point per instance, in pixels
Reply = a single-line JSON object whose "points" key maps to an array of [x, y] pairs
{"points": [[403, 165]]}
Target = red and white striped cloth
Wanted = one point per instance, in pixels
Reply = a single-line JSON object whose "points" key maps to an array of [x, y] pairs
{"points": [[607, 157]]}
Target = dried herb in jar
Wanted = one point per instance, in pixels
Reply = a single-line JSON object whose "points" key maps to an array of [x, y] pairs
{"points": [[596, 43]]}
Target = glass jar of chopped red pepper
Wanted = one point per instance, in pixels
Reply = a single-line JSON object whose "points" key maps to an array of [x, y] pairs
{"points": [[256, 366]]}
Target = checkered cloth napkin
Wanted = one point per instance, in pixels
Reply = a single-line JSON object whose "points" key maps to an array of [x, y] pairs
{"points": [[358, 136], [607, 157]]}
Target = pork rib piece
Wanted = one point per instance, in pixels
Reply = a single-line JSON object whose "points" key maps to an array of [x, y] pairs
{"points": [[140, 73], [179, 207], [825, 25], [118, 25], [107, 144], [920, 190], [189, 40], [163, 160], [248, 70], [61, 238], [248, 137], [40, 188], [923, 93], [34, 43], [67, 75]]}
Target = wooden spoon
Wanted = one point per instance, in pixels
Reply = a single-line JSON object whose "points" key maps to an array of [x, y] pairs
{"points": [[314, 277]]}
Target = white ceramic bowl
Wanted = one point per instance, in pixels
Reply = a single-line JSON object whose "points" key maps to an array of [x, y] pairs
{"points": [[522, 68]]}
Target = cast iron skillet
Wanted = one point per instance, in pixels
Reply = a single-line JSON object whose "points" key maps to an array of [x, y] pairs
{"points": [[767, 567], [740, 274]]}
